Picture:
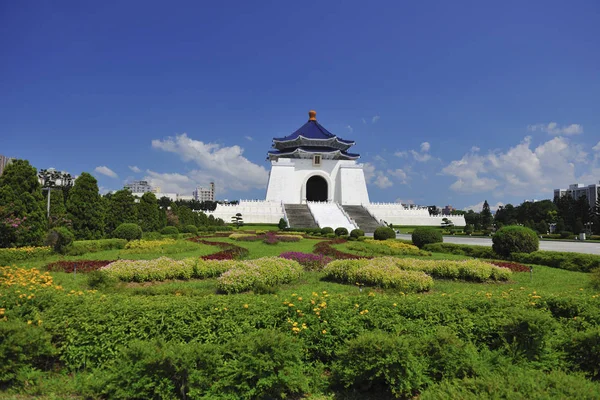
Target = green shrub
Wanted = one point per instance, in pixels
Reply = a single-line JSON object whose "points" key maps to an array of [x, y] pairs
{"points": [[282, 224], [60, 239], [99, 280], [566, 235], [326, 230], [23, 346], [583, 352], [16, 254], [341, 231], [269, 271], [515, 239], [595, 278], [356, 233], [379, 362], [424, 235], [128, 231], [384, 233], [80, 247], [266, 364], [151, 236], [151, 370], [190, 229], [169, 230], [563, 260], [461, 249], [330, 235]]}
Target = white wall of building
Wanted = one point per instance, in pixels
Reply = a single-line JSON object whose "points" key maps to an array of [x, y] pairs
{"points": [[253, 212], [397, 214], [346, 182]]}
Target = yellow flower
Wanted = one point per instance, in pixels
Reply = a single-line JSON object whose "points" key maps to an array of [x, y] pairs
{"points": [[323, 331], [29, 322], [290, 305], [394, 304], [245, 305], [299, 298]]}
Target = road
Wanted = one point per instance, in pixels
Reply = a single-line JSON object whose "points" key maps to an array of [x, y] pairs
{"points": [[551, 245]]}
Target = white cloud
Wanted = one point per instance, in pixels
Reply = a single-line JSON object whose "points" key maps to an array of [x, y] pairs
{"points": [[225, 165], [401, 153], [400, 174], [596, 147], [104, 170], [521, 170], [249, 138], [364, 121], [378, 178], [425, 146], [553, 128], [405, 201], [379, 158], [350, 129], [479, 206], [475, 149], [135, 169], [375, 119], [420, 157]]}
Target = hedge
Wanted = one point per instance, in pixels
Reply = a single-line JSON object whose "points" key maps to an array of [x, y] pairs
{"points": [[461, 249], [563, 260]]}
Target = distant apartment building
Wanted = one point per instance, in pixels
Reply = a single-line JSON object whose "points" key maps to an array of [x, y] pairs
{"points": [[577, 190], [448, 210], [139, 187], [4, 161], [204, 194]]}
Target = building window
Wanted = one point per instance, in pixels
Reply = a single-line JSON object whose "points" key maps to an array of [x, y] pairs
{"points": [[317, 160]]}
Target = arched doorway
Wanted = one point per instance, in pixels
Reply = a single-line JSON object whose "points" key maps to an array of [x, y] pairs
{"points": [[316, 189]]}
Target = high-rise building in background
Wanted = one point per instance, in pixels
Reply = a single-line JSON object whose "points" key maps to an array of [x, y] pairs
{"points": [[4, 161], [577, 190], [204, 194], [139, 187]]}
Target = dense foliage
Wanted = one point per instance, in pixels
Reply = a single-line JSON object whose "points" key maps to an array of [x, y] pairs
{"points": [[22, 216], [341, 231], [423, 235], [384, 233], [356, 233], [60, 239], [128, 231], [85, 208], [515, 239]]}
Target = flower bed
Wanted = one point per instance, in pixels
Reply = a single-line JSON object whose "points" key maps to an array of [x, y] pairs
{"points": [[266, 271], [148, 244], [375, 272], [387, 247], [229, 252], [82, 265], [469, 270], [267, 237], [513, 266], [19, 286], [16, 254], [310, 262], [324, 248]]}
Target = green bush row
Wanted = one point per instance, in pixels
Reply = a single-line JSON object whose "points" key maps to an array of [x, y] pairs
{"points": [[80, 247], [563, 260], [12, 255], [164, 268], [462, 249]]}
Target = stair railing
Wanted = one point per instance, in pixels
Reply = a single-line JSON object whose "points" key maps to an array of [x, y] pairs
{"points": [[351, 220], [380, 222], [285, 217], [312, 215]]}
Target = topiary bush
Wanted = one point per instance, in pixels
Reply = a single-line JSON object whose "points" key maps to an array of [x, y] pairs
{"points": [[326, 230], [384, 233], [128, 231], [424, 235], [515, 239], [566, 235], [169, 230], [341, 231], [190, 229], [60, 239], [356, 233]]}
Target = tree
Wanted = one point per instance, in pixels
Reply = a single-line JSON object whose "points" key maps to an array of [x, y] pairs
{"points": [[22, 217], [186, 215], [433, 210], [58, 211], [473, 218], [120, 209], [164, 202], [446, 223], [148, 215], [237, 220], [486, 216], [85, 208]]}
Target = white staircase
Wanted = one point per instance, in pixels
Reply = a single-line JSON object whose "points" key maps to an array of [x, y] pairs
{"points": [[329, 214]]}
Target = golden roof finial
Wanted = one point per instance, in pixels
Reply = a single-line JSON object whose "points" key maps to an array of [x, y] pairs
{"points": [[312, 115]]}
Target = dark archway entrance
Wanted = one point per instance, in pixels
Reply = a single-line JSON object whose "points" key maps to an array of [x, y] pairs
{"points": [[316, 189]]}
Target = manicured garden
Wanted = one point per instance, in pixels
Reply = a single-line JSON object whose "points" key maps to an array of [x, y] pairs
{"points": [[258, 314]]}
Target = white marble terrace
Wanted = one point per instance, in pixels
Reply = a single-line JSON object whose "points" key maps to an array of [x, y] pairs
{"points": [[330, 214]]}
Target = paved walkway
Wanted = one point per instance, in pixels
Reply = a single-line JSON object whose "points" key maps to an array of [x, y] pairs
{"points": [[551, 245]]}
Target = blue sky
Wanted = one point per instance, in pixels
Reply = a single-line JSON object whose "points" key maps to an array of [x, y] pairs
{"points": [[448, 102]]}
